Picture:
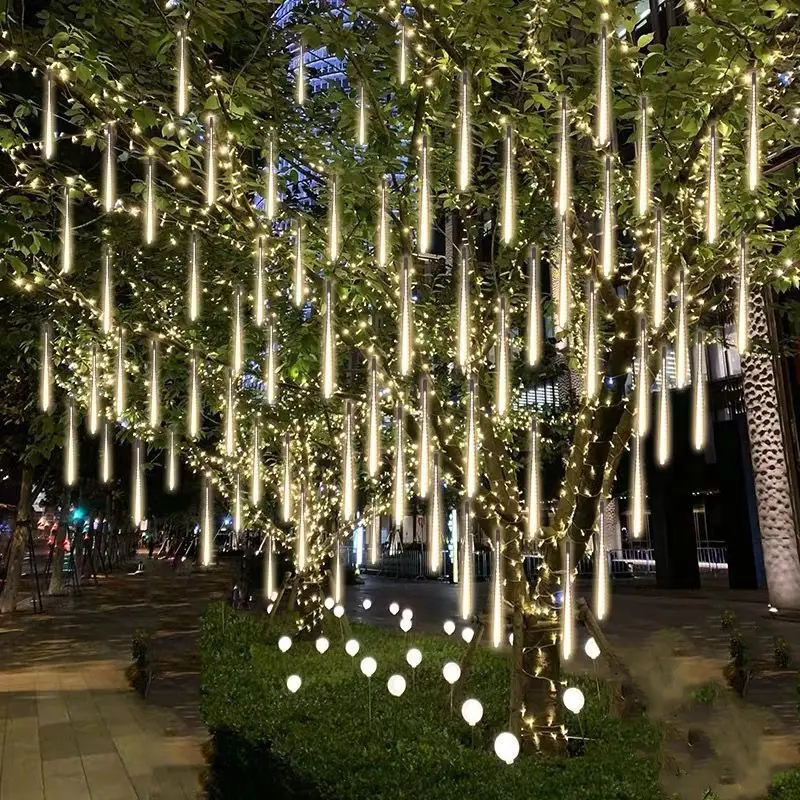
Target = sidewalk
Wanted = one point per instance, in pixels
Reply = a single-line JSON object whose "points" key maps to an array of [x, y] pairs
{"points": [[70, 727]]}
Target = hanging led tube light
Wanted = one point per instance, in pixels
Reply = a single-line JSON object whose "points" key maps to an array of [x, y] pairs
{"points": [[271, 195], [399, 496], [193, 414], [106, 451], [563, 299], [591, 378], [259, 293], [182, 73], [150, 209], [374, 537], [699, 395], [406, 332], [328, 343], [467, 570], [348, 465], [471, 457], [658, 293], [608, 232], [502, 360], [300, 76], [424, 225], [106, 292], [110, 170], [67, 233], [663, 424], [508, 211], [49, 132], [154, 395], [193, 305], [237, 334], [712, 189], [402, 58], [46, 369], [373, 420], [382, 247], [753, 135], [301, 555], [207, 522], [361, 126], [643, 162], [334, 228], [682, 369], [337, 581], [299, 279], [642, 380], [463, 315], [120, 377], [435, 516], [286, 488], [238, 506], [271, 365], [71, 445], [637, 515], [568, 603], [498, 615], [138, 491], [602, 578], [563, 182], [93, 417], [211, 160], [256, 482], [230, 415], [270, 582], [743, 299], [534, 488], [173, 464], [603, 94], [534, 329], [464, 155], [424, 444]]}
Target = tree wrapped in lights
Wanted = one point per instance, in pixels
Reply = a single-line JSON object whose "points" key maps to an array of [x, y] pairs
{"points": [[482, 126]]}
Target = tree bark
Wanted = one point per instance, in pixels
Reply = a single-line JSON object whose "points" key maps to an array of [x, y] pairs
{"points": [[8, 599]]}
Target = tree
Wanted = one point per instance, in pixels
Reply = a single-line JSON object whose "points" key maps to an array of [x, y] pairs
{"points": [[521, 72]]}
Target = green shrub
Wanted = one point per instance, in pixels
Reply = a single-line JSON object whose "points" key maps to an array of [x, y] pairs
{"points": [[785, 786], [781, 653], [140, 670], [727, 620], [707, 693]]}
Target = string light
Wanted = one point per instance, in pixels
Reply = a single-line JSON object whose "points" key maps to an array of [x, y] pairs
{"points": [[498, 625], [286, 491], [604, 94], [150, 210], [334, 232], [300, 76], [424, 198], [67, 233], [193, 415], [463, 312], [271, 198], [238, 506], [106, 451], [533, 498], [602, 587], [467, 576], [259, 300], [361, 132], [207, 522], [182, 70], [508, 204], [568, 605], [464, 171], [753, 144], [237, 334], [138, 504], [299, 280], [699, 395], [348, 465], [591, 378], [643, 162], [373, 420], [663, 433], [107, 292], [502, 365], [609, 236], [657, 278], [406, 333], [399, 502], [211, 160], [255, 472], [194, 277], [424, 444], [302, 533], [534, 337], [230, 415], [642, 381], [382, 232], [49, 132], [637, 515], [110, 170], [173, 463], [93, 419], [402, 60], [471, 465], [271, 366], [435, 516], [120, 379], [562, 301], [71, 445], [682, 376], [712, 191], [328, 343], [46, 369], [154, 397], [743, 300]]}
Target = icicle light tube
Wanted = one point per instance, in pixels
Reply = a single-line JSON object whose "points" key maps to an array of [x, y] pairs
{"points": [[435, 516], [207, 522], [286, 488], [374, 537], [642, 381], [271, 198], [742, 299], [256, 483], [602, 583], [348, 465], [46, 369], [194, 277], [643, 162], [534, 333], [193, 414], [211, 160], [603, 93], [498, 619], [406, 332], [568, 606], [271, 366], [402, 58], [591, 378], [173, 463], [382, 232], [230, 415], [150, 210], [299, 280], [699, 395], [712, 190], [563, 299], [106, 451], [424, 198], [534, 492], [334, 232], [110, 170], [93, 418], [361, 130], [67, 233], [463, 312], [154, 387], [328, 343], [106, 292], [49, 132], [182, 74], [302, 529], [464, 156], [467, 571], [300, 76], [502, 360], [424, 444], [753, 144], [471, 457], [399, 495], [259, 298], [71, 445], [663, 424], [120, 377], [237, 334], [637, 515], [563, 187], [373, 420], [270, 584], [338, 583], [238, 506], [609, 234], [657, 299], [682, 376], [508, 203], [137, 475]]}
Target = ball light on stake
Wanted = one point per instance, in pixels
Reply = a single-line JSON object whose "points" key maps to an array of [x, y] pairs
{"points": [[396, 685], [368, 666], [352, 647], [366, 604], [322, 645], [394, 609], [592, 649], [472, 711], [414, 657], [407, 613], [449, 627], [467, 634], [405, 624], [284, 643], [338, 610], [573, 699], [329, 603], [293, 683], [506, 747]]}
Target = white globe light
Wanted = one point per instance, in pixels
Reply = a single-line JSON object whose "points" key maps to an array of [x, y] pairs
{"points": [[407, 613], [393, 609], [573, 699], [405, 625], [368, 666], [451, 672], [449, 627], [591, 648], [472, 711], [284, 643], [293, 683], [269, 608], [414, 658], [322, 644], [329, 603], [467, 634], [367, 604], [506, 745], [511, 638], [396, 685], [352, 647], [338, 612]]}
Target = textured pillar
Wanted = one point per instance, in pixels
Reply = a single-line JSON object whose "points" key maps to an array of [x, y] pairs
{"points": [[768, 444]]}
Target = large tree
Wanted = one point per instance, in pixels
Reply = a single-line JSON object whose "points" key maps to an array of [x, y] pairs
{"points": [[114, 69]]}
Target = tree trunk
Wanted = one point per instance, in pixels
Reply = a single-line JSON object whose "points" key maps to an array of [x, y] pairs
{"points": [[57, 575], [8, 599], [769, 450]]}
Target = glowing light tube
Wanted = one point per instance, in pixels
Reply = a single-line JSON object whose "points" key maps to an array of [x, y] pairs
{"points": [[93, 417], [259, 298], [712, 191], [502, 360], [120, 377], [382, 247], [657, 297], [591, 378], [211, 160], [402, 58], [424, 444], [348, 465], [182, 73], [467, 577], [534, 487], [399, 499], [435, 517], [154, 395], [238, 508], [286, 489], [338, 583], [106, 451], [609, 234], [642, 381], [563, 299], [46, 369], [753, 136], [207, 522], [373, 420], [424, 198], [637, 516], [328, 343], [463, 312], [643, 162], [334, 230], [562, 186], [193, 415], [173, 464], [361, 127], [271, 366], [49, 133], [237, 334], [374, 537], [743, 300], [302, 530], [699, 395], [464, 155], [568, 607], [534, 329], [471, 458], [682, 376], [194, 277], [271, 198], [150, 209], [299, 280], [230, 415], [256, 483], [498, 620], [138, 491], [508, 214], [67, 234], [106, 292], [603, 93], [110, 170], [663, 425], [406, 332], [270, 582], [300, 76], [71, 445], [602, 582]]}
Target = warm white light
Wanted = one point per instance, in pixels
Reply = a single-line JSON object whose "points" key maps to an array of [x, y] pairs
{"points": [[137, 476], [368, 666], [93, 416], [568, 607], [271, 365], [259, 289], [663, 432], [405, 625], [106, 292], [592, 649], [154, 387], [591, 377], [382, 233], [394, 609], [173, 463], [642, 380], [414, 658], [67, 234], [466, 594], [464, 170], [293, 683], [230, 415], [238, 505], [424, 199], [302, 531], [573, 700], [322, 645], [449, 627], [299, 279], [657, 296], [256, 483], [328, 343], [71, 446], [712, 190], [182, 74], [506, 747], [150, 210], [534, 333], [498, 614], [534, 494], [367, 604], [46, 369], [120, 379], [329, 603], [271, 197], [348, 465], [682, 376], [109, 171], [194, 277], [463, 311], [753, 144], [399, 495], [49, 132], [106, 451], [406, 325], [451, 672], [286, 491], [351, 647], [502, 359], [338, 610], [507, 205], [563, 188], [237, 334], [699, 395], [402, 59], [603, 94], [563, 299], [467, 634], [373, 420], [608, 230], [471, 458], [643, 162], [211, 160], [424, 443], [270, 583], [742, 305], [334, 227], [207, 523], [435, 516], [374, 538], [602, 585], [472, 711], [637, 515], [193, 414], [300, 76], [361, 129]]}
